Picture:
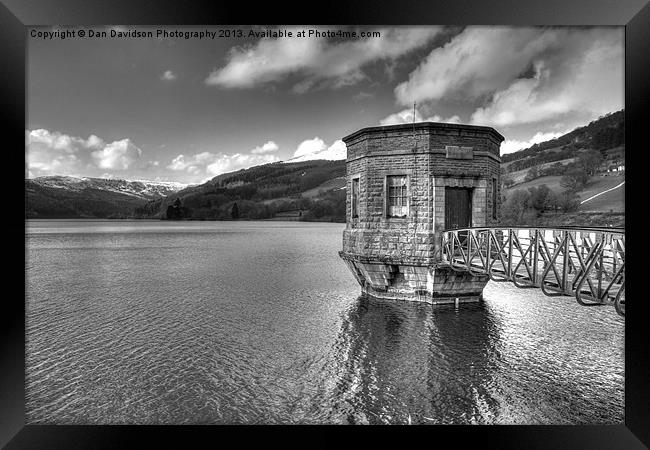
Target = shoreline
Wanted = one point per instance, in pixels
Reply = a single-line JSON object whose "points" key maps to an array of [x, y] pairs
{"points": [[99, 219]]}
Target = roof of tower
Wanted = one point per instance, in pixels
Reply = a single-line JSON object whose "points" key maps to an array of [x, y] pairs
{"points": [[424, 125]]}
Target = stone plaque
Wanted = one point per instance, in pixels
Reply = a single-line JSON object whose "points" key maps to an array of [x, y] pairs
{"points": [[456, 152]]}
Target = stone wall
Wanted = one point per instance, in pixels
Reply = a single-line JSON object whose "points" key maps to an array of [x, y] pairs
{"points": [[420, 152], [423, 283]]}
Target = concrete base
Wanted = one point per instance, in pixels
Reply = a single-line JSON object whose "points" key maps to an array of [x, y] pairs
{"points": [[401, 280]]}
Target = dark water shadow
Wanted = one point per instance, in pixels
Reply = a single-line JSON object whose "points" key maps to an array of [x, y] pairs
{"points": [[401, 362]]}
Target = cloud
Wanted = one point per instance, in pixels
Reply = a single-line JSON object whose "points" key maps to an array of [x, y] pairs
{"points": [[319, 63], [477, 61], [511, 145], [168, 75], [270, 146], [229, 163], [56, 153], [192, 164], [212, 164], [406, 116], [516, 75], [316, 148], [118, 155], [592, 84]]}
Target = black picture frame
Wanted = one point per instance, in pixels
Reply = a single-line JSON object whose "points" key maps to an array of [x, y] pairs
{"points": [[16, 16]]}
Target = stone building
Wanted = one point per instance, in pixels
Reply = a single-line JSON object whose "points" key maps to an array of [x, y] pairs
{"points": [[406, 184]]}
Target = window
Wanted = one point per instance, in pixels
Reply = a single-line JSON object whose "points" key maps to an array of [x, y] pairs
{"points": [[355, 197], [494, 198], [397, 200]]}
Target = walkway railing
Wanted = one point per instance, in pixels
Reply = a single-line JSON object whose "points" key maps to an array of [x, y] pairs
{"points": [[587, 263]]}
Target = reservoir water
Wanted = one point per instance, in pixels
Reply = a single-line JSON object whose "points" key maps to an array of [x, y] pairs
{"points": [[144, 322]]}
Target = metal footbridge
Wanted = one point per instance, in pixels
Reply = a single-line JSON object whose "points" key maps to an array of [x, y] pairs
{"points": [[585, 263]]}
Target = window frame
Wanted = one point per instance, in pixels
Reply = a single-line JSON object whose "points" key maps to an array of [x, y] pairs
{"points": [[406, 196], [354, 199]]}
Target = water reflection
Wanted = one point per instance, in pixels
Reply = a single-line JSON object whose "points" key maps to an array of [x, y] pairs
{"points": [[398, 362], [487, 363]]}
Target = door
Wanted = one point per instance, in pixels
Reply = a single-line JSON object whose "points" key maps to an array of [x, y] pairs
{"points": [[458, 208]]}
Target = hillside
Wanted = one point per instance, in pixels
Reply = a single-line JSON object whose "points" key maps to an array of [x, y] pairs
{"points": [[607, 202], [575, 179], [68, 197], [260, 192], [607, 132]]}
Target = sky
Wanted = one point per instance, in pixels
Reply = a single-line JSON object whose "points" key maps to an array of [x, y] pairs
{"points": [[184, 107]]}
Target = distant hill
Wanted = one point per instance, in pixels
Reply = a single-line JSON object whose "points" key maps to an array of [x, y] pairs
{"points": [[261, 192], [68, 197], [600, 201], [605, 133]]}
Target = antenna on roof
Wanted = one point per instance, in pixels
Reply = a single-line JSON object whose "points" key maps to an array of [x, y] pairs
{"points": [[414, 115]]}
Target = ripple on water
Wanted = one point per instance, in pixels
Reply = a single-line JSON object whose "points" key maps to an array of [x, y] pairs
{"points": [[131, 322]]}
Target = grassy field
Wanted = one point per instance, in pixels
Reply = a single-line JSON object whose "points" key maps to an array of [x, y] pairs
{"points": [[553, 183], [613, 201], [518, 176], [335, 183]]}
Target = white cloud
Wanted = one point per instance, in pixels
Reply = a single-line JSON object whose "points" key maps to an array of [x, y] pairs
{"points": [[511, 145], [270, 146], [168, 75], [217, 163], [192, 164], [118, 155], [523, 75], [319, 62], [437, 118], [310, 147], [95, 142], [212, 164], [229, 163], [592, 84], [316, 148], [406, 116], [477, 61], [56, 153]]}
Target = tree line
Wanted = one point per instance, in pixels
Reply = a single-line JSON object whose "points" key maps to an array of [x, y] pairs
{"points": [[534, 201], [327, 206]]}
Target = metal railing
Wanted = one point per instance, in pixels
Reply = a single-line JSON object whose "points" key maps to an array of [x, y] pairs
{"points": [[587, 263]]}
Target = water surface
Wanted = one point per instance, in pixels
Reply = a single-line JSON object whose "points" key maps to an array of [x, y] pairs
{"points": [[260, 322]]}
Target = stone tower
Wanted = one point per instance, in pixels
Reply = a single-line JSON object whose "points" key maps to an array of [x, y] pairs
{"points": [[405, 185]]}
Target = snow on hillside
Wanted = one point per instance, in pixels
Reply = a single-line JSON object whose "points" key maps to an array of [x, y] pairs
{"points": [[137, 188]]}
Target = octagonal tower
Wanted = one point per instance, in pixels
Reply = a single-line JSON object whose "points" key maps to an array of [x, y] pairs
{"points": [[405, 185]]}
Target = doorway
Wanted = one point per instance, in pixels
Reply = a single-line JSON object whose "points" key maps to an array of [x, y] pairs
{"points": [[458, 208]]}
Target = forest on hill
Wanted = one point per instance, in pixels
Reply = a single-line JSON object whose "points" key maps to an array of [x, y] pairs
{"points": [[553, 183], [604, 133], [259, 192]]}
